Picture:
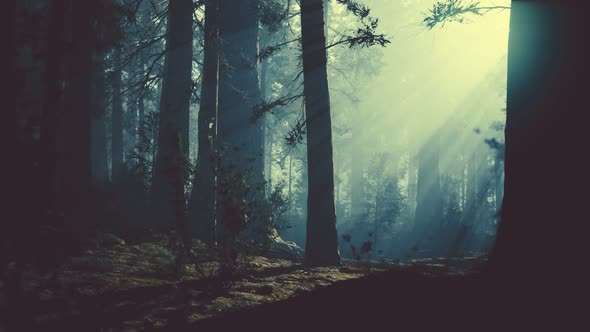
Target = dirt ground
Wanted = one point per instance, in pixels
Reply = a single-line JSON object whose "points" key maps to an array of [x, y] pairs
{"points": [[132, 287]]}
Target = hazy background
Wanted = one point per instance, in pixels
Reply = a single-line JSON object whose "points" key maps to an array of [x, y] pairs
{"points": [[444, 88]]}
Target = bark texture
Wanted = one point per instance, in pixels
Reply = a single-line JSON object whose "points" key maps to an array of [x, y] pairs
{"points": [[202, 203], [322, 240], [168, 196]]}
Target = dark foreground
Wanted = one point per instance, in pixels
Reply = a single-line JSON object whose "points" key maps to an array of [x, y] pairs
{"points": [[130, 288]]}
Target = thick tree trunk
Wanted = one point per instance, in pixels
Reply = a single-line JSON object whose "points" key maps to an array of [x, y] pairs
{"points": [[117, 118], [100, 168], [168, 185], [51, 106], [240, 139], [322, 239], [542, 212], [201, 213], [77, 114]]}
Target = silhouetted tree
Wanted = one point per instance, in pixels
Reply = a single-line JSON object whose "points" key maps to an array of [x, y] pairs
{"points": [[117, 116], [322, 240], [201, 209], [547, 89], [168, 196], [239, 137], [100, 169], [77, 111]]}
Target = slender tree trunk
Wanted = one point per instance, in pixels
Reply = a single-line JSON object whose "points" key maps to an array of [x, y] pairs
{"points": [[322, 239], [117, 118], [202, 203], [269, 155], [267, 134], [499, 183], [356, 178], [168, 185], [100, 168], [471, 185], [290, 175], [412, 183]]}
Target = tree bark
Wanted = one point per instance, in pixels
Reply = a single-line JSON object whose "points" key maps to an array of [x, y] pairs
{"points": [[100, 168], [117, 117], [543, 209], [51, 106], [168, 184], [202, 203], [240, 139], [77, 114], [322, 239]]}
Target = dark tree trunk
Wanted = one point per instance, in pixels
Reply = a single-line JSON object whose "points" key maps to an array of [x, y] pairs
{"points": [[264, 82], [202, 203], [543, 213], [322, 239], [168, 185], [77, 113], [117, 117], [498, 183], [51, 105], [100, 169], [240, 139], [133, 100]]}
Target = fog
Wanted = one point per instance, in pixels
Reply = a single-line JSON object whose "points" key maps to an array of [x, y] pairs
{"points": [[430, 97]]}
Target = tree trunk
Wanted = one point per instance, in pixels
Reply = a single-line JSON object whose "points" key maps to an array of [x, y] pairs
{"points": [[499, 183], [51, 106], [201, 213], [542, 212], [429, 202], [168, 185], [100, 168], [77, 113], [267, 125], [117, 118], [322, 239], [412, 183], [240, 139]]}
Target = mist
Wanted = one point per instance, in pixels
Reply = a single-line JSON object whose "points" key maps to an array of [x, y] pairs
{"points": [[430, 92]]}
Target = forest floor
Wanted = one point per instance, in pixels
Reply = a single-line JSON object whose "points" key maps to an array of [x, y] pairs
{"points": [[132, 287]]}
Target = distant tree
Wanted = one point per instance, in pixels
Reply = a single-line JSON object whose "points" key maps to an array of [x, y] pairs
{"points": [[117, 149], [429, 203], [100, 169]]}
